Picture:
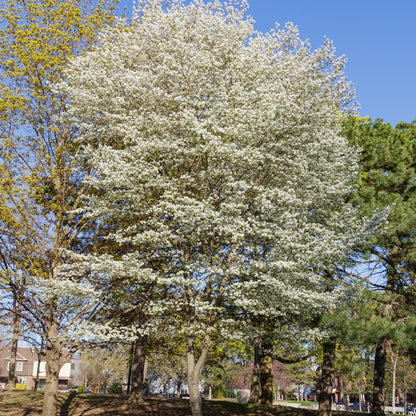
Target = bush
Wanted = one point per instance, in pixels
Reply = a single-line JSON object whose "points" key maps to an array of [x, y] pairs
{"points": [[80, 389], [115, 389]]}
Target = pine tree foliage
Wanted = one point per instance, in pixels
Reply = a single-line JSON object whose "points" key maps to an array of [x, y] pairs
{"points": [[388, 179], [221, 146]]}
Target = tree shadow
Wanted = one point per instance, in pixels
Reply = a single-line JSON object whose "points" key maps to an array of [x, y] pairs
{"points": [[31, 411], [66, 404]]}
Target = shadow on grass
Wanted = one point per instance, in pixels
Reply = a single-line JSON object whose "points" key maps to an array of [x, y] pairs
{"points": [[66, 404], [75, 404], [31, 411]]}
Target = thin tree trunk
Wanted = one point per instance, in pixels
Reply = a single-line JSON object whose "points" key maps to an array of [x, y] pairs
{"points": [[266, 373], [178, 387], [394, 358], [129, 380], [255, 377], [404, 387], [379, 376], [327, 378], [137, 370], [130, 366], [13, 352], [38, 370]]}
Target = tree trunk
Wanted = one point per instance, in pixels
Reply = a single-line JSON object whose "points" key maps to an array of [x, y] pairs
{"points": [[15, 339], [255, 377], [327, 378], [266, 373], [53, 352], [194, 368], [194, 396], [38, 370], [137, 370], [50, 398], [277, 393], [379, 375], [404, 387], [129, 381], [133, 344], [178, 387], [394, 358]]}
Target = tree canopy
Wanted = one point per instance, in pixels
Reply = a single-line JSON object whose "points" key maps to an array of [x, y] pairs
{"points": [[220, 146]]}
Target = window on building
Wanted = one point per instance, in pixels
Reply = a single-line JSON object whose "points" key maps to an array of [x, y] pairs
{"points": [[42, 367], [19, 366]]}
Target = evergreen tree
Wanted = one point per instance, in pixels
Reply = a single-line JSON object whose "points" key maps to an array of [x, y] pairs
{"points": [[388, 179]]}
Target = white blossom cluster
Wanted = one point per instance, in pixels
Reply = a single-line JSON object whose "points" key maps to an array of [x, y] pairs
{"points": [[217, 149], [75, 304]]}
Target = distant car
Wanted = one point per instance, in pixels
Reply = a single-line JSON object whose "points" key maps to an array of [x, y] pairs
{"points": [[409, 409], [184, 396]]}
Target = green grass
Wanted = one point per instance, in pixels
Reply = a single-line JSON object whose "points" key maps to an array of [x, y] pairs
{"points": [[307, 403]]}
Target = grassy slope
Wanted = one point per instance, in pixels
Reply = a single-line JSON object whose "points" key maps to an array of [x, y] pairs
{"points": [[30, 404]]}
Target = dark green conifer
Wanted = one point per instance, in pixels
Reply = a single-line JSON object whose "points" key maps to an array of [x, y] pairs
{"points": [[388, 179]]}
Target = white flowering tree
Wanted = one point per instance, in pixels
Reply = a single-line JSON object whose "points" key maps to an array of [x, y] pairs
{"points": [[220, 146]]}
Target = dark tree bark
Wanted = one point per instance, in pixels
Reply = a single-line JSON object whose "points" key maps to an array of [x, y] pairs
{"points": [[137, 370], [38, 370], [266, 372], [379, 377], [133, 346], [327, 378], [382, 346], [255, 378], [53, 353], [17, 309]]}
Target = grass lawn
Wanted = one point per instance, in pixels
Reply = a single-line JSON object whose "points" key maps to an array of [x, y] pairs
{"points": [[27, 403], [300, 402]]}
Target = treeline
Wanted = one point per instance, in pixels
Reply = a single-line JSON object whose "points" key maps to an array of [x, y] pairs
{"points": [[178, 182]]}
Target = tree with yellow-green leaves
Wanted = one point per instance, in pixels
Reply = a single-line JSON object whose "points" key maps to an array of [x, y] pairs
{"points": [[37, 38], [13, 267]]}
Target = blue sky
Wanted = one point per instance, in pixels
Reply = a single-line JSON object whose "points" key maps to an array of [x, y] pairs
{"points": [[377, 36]]}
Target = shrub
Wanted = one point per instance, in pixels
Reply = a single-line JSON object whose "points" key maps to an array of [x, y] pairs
{"points": [[115, 389]]}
